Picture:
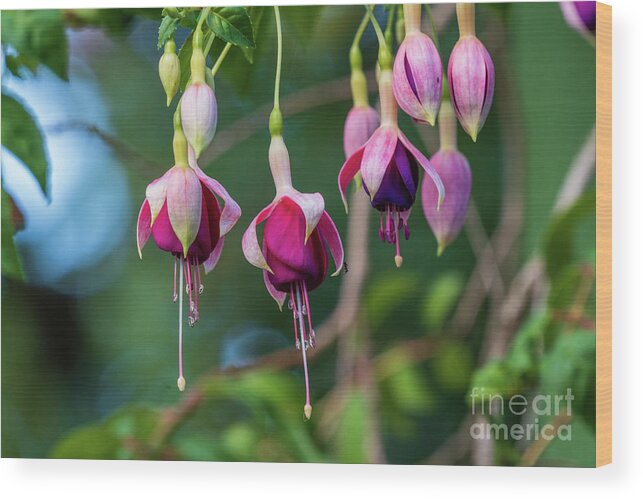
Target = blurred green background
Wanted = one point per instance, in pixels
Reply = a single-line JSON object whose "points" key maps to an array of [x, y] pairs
{"points": [[89, 355]]}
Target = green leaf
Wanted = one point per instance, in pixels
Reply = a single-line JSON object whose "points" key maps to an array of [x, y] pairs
{"points": [[353, 427], [39, 38], [167, 29], [11, 264], [22, 136], [441, 297], [256, 14], [232, 25], [453, 365], [185, 54], [386, 293]]}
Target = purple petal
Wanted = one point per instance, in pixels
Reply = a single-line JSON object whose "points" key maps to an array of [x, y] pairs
{"points": [[348, 171], [250, 244], [378, 152], [426, 165], [143, 227], [331, 236], [184, 199]]}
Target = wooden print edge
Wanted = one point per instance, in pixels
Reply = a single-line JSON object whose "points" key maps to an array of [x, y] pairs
{"points": [[603, 234]]}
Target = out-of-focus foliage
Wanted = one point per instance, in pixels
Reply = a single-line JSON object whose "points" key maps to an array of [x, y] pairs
{"points": [[94, 375]]}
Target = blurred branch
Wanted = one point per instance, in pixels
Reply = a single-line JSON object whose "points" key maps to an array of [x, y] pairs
{"points": [[535, 450]]}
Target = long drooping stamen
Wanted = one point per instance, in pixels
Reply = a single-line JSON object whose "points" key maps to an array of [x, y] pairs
{"points": [[311, 331], [308, 409], [398, 257], [180, 382], [195, 313], [293, 307], [174, 296]]}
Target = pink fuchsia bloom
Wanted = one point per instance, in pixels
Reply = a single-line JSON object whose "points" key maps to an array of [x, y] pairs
{"points": [[581, 16], [417, 71], [182, 213], [389, 164], [360, 124], [471, 83], [455, 173], [292, 254], [199, 115]]}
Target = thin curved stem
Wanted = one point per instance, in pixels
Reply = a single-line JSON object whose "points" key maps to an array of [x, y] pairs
{"points": [[279, 54], [202, 18], [378, 30], [221, 58], [360, 31]]}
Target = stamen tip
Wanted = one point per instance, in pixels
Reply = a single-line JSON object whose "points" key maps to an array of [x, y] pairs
{"points": [[308, 411], [181, 383], [398, 261]]}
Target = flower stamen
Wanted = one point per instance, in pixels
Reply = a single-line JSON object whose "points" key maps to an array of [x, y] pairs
{"points": [[180, 382]]}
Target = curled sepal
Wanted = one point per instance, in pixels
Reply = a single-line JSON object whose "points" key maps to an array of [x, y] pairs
{"points": [[278, 296], [250, 244], [350, 168], [330, 234], [143, 227], [311, 205], [213, 259], [155, 194], [184, 198], [378, 153], [426, 165]]}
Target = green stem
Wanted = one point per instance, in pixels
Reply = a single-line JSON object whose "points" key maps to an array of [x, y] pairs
{"points": [[276, 121], [384, 56], [388, 33], [378, 30], [360, 31], [208, 45], [222, 56], [202, 17]]}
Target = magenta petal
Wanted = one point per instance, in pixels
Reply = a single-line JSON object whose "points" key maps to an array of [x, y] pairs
{"points": [[426, 165], [184, 199], [213, 259], [231, 210], [278, 296], [378, 152], [350, 168], [163, 233], [331, 236], [250, 244], [143, 227]]}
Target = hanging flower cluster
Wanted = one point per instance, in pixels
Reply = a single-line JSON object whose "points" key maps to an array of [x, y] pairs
{"points": [[188, 213]]}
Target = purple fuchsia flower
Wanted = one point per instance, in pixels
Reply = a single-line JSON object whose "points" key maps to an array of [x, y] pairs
{"points": [[388, 163], [417, 71], [183, 215], [292, 254], [581, 16], [471, 75], [455, 173], [198, 106]]}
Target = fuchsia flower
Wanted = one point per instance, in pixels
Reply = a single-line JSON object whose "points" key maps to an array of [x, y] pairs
{"points": [[417, 71], [183, 215], [360, 124], [471, 75], [199, 115], [388, 163], [581, 16], [471, 82], [455, 173], [292, 254]]}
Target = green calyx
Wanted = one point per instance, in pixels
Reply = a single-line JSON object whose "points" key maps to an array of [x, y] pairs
{"points": [[276, 123], [385, 58], [179, 143]]}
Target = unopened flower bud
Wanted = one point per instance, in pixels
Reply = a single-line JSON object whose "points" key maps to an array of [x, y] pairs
{"points": [[360, 124], [170, 70], [471, 82], [199, 115]]}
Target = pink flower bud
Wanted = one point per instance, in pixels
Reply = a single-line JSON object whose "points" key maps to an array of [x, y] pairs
{"points": [[360, 124], [581, 16], [455, 173], [417, 77], [199, 115], [471, 82]]}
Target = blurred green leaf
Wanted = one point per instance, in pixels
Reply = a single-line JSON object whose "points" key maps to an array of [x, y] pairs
{"points": [[240, 441], [21, 135], [453, 365], [408, 391], [167, 29], [256, 14], [107, 440], [440, 298], [354, 425], [387, 293], [11, 264], [39, 38], [233, 25]]}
